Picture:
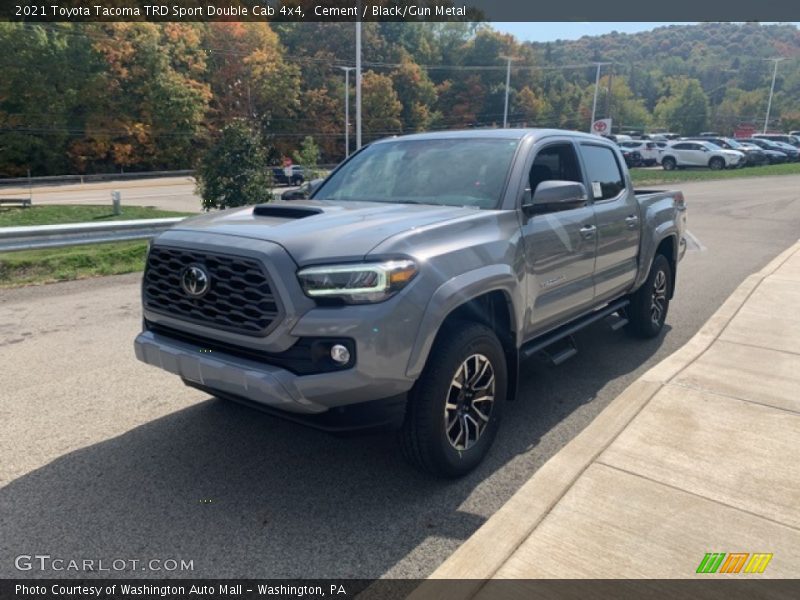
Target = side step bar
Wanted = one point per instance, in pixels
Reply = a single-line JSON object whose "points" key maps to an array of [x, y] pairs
{"points": [[565, 331]]}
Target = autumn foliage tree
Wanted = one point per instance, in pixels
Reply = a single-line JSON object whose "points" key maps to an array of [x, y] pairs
{"points": [[381, 106], [94, 97], [150, 101]]}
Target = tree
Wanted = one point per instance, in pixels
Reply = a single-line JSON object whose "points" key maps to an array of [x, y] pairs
{"points": [[47, 89], [249, 76], [381, 108], [151, 101], [530, 108], [417, 95], [738, 107], [233, 171], [625, 109], [683, 107], [308, 157]]}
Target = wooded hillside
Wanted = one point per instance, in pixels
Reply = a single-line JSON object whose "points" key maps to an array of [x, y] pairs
{"points": [[95, 97]]}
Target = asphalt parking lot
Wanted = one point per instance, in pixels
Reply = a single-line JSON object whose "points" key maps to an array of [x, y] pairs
{"points": [[106, 458]]}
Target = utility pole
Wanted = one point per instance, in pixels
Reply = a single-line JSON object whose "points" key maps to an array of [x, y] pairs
{"points": [[771, 90], [347, 109], [358, 79], [596, 86], [508, 83]]}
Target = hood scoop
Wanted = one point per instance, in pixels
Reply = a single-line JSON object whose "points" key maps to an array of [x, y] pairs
{"points": [[285, 212]]}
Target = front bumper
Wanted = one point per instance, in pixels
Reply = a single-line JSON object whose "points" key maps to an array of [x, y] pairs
{"points": [[263, 384]]}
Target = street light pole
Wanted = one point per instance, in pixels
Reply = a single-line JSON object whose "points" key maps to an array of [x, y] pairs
{"points": [[358, 80], [347, 109], [771, 90], [596, 86], [508, 83]]}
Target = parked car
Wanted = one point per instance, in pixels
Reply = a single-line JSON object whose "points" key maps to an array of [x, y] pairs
{"points": [[414, 299], [649, 151], [684, 153], [771, 150], [304, 191], [665, 136], [754, 156], [617, 137], [279, 176], [297, 174], [293, 175], [791, 151], [780, 137], [632, 157]]}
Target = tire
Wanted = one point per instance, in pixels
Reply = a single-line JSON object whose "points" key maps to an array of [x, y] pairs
{"points": [[716, 163], [461, 352], [668, 163], [649, 304]]}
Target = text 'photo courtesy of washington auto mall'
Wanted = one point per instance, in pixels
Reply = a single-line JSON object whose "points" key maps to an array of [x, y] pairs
{"points": [[399, 299]]}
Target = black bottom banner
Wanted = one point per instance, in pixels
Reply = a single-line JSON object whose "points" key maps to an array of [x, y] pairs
{"points": [[386, 589]]}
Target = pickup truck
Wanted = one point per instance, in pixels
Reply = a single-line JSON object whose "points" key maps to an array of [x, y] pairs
{"points": [[408, 291]]}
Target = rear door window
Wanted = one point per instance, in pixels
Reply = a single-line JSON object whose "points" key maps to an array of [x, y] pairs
{"points": [[603, 170]]}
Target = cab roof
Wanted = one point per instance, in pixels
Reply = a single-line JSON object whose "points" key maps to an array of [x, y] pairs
{"points": [[506, 134]]}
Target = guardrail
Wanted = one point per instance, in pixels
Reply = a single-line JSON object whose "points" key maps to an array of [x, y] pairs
{"points": [[13, 239], [63, 179]]}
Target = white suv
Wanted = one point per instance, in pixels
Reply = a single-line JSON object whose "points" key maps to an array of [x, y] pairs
{"points": [[684, 153], [651, 153]]}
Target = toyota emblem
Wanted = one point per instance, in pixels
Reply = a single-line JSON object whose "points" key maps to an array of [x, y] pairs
{"points": [[195, 281]]}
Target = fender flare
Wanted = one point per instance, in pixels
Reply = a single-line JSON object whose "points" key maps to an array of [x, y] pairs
{"points": [[452, 294], [663, 232]]}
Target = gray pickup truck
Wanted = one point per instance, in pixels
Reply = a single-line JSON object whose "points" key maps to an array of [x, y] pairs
{"points": [[410, 288]]}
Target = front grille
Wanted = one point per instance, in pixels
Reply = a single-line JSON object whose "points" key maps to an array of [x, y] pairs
{"points": [[239, 298]]}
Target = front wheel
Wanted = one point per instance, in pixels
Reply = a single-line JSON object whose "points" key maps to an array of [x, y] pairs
{"points": [[454, 408], [649, 304], [716, 163]]}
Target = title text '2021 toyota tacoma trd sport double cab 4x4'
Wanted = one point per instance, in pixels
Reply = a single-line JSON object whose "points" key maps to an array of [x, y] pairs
{"points": [[410, 287]]}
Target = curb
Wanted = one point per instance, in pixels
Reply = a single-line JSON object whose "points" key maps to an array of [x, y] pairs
{"points": [[483, 553]]}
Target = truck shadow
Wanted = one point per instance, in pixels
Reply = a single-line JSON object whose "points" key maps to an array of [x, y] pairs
{"points": [[243, 494]]}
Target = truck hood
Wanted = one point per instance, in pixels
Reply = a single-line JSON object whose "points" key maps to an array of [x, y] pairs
{"points": [[314, 231]]}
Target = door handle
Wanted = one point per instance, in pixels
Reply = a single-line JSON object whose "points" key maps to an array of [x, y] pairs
{"points": [[631, 221], [588, 231]]}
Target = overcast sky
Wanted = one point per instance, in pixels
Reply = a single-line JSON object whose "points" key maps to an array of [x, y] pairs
{"points": [[548, 32]]}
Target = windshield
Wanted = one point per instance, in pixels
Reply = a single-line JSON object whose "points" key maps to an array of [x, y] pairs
{"points": [[733, 143], [449, 172], [710, 146]]}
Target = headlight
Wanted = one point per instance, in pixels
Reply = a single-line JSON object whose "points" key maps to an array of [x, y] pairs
{"points": [[357, 283]]}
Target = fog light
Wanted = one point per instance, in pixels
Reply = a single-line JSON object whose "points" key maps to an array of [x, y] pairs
{"points": [[340, 354]]}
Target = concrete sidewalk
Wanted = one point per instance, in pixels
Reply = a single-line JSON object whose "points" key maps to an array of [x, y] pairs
{"points": [[702, 454]]}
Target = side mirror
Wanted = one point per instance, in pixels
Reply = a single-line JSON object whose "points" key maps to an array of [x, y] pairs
{"points": [[555, 195]]}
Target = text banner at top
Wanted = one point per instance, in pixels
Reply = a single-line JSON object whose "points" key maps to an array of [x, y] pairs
{"points": [[398, 10]]}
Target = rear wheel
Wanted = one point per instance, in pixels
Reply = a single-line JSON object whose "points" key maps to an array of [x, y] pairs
{"points": [[455, 406], [649, 304], [716, 163], [668, 163]]}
